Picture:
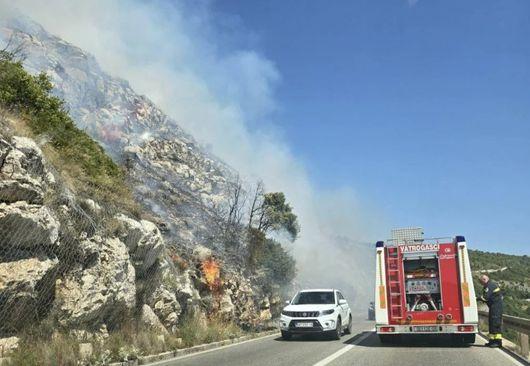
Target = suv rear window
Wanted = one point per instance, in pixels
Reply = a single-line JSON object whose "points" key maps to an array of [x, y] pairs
{"points": [[317, 297]]}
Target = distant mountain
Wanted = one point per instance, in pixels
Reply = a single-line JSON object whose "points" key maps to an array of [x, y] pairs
{"points": [[511, 272]]}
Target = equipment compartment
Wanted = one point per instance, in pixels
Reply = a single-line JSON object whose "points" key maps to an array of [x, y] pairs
{"points": [[422, 283]]}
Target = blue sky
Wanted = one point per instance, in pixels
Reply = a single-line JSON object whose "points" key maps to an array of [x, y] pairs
{"points": [[423, 107]]}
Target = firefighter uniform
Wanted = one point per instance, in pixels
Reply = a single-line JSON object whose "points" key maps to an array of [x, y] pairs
{"points": [[492, 296]]}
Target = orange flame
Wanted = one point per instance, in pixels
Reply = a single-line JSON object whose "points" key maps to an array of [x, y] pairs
{"points": [[211, 272]]}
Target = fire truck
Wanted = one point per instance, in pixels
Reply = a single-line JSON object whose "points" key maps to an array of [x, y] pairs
{"points": [[424, 286]]}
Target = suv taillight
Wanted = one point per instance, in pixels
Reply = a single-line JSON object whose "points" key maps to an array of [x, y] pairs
{"points": [[387, 329]]}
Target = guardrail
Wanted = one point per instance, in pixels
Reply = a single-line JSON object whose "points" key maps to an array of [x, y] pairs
{"points": [[513, 325]]}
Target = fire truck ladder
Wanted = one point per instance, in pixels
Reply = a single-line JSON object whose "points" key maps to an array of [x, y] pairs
{"points": [[393, 270]]}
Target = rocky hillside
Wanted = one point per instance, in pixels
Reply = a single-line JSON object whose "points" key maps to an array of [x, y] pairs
{"points": [[171, 173], [89, 244], [172, 176]]}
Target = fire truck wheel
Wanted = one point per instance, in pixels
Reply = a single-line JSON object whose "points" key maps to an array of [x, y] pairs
{"points": [[463, 339], [388, 338], [469, 338], [348, 329], [286, 335]]}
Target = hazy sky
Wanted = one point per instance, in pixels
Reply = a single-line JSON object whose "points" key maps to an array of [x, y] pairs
{"points": [[422, 106], [368, 114]]}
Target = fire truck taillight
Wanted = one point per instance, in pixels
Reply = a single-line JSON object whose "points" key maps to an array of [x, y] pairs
{"points": [[409, 317], [466, 328], [440, 317], [448, 316], [387, 329]]}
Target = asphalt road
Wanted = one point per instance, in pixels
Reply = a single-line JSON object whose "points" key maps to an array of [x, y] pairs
{"points": [[360, 348]]}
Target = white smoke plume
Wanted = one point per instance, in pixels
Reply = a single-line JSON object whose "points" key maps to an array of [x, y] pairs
{"points": [[182, 56]]}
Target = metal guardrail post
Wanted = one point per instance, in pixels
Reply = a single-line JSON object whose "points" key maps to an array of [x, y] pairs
{"points": [[523, 339]]}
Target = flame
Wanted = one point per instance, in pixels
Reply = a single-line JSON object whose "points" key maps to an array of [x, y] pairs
{"points": [[211, 271], [110, 133]]}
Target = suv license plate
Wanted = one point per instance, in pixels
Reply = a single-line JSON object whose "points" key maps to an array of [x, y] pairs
{"points": [[425, 329], [304, 325]]}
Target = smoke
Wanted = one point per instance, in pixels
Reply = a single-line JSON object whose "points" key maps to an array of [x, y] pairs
{"points": [[186, 59]]}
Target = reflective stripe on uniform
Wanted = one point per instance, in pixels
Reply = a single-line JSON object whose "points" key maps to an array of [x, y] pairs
{"points": [[497, 289], [495, 336]]}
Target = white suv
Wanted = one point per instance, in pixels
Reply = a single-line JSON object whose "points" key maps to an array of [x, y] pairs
{"points": [[316, 311]]}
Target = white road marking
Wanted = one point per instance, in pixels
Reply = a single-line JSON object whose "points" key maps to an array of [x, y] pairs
{"points": [[163, 362], [505, 354], [343, 350]]}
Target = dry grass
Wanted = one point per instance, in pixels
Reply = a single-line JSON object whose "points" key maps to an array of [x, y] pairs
{"points": [[198, 330], [108, 189], [42, 347]]}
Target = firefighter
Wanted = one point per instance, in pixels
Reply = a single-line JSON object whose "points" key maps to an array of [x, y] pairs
{"points": [[492, 296]]}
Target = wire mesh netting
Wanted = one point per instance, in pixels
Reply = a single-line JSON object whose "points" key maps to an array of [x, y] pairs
{"points": [[69, 260]]}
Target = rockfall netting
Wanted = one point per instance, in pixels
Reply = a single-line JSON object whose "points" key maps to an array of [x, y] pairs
{"points": [[69, 261]]}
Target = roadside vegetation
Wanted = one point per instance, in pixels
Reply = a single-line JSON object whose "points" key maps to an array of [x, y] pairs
{"points": [[45, 346], [511, 272], [255, 225]]}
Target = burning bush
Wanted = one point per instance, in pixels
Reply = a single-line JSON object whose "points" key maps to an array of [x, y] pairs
{"points": [[211, 271]]}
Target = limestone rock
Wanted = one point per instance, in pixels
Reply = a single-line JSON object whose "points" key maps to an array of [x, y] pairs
{"points": [[22, 172], [14, 190], [226, 306], [103, 292], [8, 345], [264, 303], [202, 253], [185, 290], [144, 241], [27, 226], [91, 206], [97, 336], [26, 289], [149, 319], [85, 351], [265, 315], [166, 307]]}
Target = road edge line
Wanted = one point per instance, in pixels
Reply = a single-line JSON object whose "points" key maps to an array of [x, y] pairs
{"points": [[164, 357], [509, 354]]}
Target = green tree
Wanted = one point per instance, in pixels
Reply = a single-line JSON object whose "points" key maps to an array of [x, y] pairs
{"points": [[270, 212], [280, 264], [276, 215]]}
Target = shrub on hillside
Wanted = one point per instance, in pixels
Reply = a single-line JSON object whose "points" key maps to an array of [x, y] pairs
{"points": [[270, 256], [80, 159]]}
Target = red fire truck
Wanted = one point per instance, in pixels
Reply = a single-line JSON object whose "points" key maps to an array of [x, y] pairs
{"points": [[424, 286]]}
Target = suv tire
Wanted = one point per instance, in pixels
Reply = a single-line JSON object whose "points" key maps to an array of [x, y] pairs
{"points": [[338, 330], [349, 327]]}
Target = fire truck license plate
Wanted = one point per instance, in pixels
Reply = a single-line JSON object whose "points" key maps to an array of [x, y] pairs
{"points": [[425, 329], [304, 325]]}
